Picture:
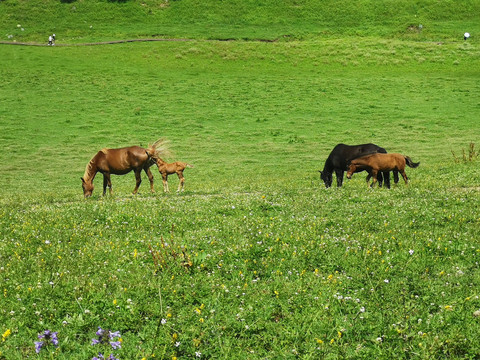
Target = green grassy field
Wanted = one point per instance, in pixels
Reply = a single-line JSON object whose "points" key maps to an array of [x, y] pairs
{"points": [[256, 259]]}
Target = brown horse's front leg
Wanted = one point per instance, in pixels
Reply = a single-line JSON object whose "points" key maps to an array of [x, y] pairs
{"points": [[107, 182], [150, 178], [138, 179], [165, 182]]}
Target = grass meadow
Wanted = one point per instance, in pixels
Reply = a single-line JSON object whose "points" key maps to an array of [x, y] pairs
{"points": [[256, 259]]}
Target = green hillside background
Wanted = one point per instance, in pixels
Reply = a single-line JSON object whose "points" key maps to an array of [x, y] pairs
{"points": [[86, 21]]}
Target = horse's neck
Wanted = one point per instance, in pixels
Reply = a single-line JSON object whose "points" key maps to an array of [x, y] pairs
{"points": [[328, 167], [90, 171], [160, 162]]}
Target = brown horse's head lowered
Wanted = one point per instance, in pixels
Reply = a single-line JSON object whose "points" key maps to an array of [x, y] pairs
{"points": [[376, 163], [119, 162]]}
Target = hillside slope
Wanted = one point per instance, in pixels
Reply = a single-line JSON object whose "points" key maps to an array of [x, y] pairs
{"points": [[82, 21]]}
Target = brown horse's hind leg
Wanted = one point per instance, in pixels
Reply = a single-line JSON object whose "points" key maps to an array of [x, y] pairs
{"points": [[182, 181], [150, 178], [138, 179], [404, 177]]}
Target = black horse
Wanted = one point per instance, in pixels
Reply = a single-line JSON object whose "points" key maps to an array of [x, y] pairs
{"points": [[340, 157]]}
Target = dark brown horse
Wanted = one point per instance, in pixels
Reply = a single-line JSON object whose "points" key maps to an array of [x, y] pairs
{"points": [[376, 163], [171, 168], [119, 162]]}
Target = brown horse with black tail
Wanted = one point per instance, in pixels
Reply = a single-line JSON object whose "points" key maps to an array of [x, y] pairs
{"points": [[376, 163], [119, 162]]}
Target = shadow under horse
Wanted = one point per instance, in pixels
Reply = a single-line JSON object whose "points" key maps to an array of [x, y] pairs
{"points": [[341, 156]]}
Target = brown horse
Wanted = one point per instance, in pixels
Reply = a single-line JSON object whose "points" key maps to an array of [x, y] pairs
{"points": [[119, 162], [378, 162], [173, 168]]}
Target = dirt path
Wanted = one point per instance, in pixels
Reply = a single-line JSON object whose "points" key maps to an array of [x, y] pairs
{"points": [[90, 44]]}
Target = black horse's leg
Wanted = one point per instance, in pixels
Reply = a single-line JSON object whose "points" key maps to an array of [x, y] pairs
{"points": [[380, 179], [150, 178], [138, 179], [369, 176], [386, 179], [339, 174]]}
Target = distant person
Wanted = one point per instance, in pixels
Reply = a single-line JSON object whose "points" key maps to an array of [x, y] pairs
{"points": [[50, 40], [466, 36], [53, 39]]}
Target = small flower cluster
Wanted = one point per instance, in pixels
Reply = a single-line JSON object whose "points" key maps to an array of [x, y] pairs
{"points": [[107, 337], [46, 337], [111, 338]]}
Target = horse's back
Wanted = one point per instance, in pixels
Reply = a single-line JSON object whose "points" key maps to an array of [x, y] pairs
{"points": [[381, 161], [123, 160], [342, 154]]}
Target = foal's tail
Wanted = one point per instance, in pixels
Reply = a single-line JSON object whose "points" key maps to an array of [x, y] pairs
{"points": [[189, 165], [410, 163]]}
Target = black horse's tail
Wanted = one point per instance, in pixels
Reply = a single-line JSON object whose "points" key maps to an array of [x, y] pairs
{"points": [[411, 163]]}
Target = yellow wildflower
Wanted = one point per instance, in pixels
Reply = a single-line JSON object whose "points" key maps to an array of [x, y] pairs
{"points": [[6, 334]]}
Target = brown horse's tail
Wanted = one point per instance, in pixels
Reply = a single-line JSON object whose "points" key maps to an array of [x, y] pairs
{"points": [[190, 165], [159, 149], [410, 163]]}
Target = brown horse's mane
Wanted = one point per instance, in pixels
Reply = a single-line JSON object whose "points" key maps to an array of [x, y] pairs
{"points": [[88, 170]]}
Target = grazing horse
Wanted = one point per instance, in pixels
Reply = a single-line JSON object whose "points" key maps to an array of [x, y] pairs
{"points": [[166, 169], [375, 163], [341, 156], [119, 162]]}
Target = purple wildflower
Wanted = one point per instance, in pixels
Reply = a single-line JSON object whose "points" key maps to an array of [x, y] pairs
{"points": [[38, 346], [107, 336], [46, 337], [116, 344], [101, 357]]}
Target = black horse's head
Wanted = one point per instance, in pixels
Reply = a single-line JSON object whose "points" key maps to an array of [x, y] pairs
{"points": [[327, 178]]}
